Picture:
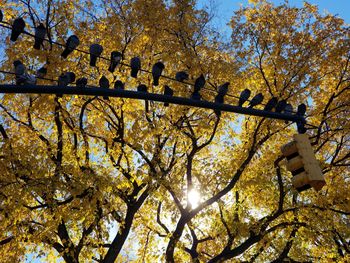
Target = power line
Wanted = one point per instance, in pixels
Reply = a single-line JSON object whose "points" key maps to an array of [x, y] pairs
{"points": [[107, 59], [8, 26]]}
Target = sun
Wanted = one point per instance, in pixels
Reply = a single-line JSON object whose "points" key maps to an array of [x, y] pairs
{"points": [[193, 198]]}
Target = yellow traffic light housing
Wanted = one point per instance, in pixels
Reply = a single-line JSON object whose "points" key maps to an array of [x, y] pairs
{"points": [[301, 161]]}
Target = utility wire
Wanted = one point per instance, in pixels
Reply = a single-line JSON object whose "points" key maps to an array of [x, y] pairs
{"points": [[7, 25]]}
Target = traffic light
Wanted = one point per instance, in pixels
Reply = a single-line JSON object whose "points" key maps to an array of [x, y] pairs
{"points": [[301, 161]]}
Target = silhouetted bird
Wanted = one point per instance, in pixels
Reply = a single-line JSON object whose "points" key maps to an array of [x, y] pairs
{"points": [[41, 72], [196, 96], [1, 16], [169, 92], [40, 33], [143, 88], [256, 100], [119, 85], [281, 105], [245, 94], [135, 64], [20, 72], [81, 82], [104, 83], [301, 110], [116, 57], [199, 83], [222, 91], [17, 28], [181, 76], [271, 104], [288, 109], [21, 75], [157, 72], [71, 44], [95, 51], [71, 77]]}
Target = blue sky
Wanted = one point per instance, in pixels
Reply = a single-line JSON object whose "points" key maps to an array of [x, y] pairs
{"points": [[225, 8]]}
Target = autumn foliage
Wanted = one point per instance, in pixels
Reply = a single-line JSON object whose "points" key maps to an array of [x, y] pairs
{"points": [[85, 179]]}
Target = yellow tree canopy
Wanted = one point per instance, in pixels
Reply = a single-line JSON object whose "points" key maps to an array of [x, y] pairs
{"points": [[87, 179]]}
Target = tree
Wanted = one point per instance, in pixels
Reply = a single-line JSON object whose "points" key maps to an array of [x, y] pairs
{"points": [[87, 179]]}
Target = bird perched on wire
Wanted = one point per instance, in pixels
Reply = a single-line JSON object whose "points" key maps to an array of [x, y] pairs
{"points": [[41, 72], [40, 33], [181, 76], [256, 100], [17, 28], [199, 83], [135, 64], [301, 110], [281, 105], [116, 57], [271, 104], [22, 77], [95, 51], [168, 92], [157, 70], [119, 85], [222, 91], [143, 88], [66, 78], [71, 44], [104, 83], [81, 82], [288, 110], [245, 94]]}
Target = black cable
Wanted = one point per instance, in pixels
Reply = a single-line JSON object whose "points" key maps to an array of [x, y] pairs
{"points": [[121, 63]]}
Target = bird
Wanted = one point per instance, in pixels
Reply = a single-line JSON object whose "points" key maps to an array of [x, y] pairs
{"points": [[1, 16], [271, 104], [71, 77], [66, 78], [181, 76], [157, 72], [281, 105], [196, 96], [20, 72], [168, 92], [301, 110], [256, 100], [71, 44], [288, 109], [95, 51], [81, 82], [199, 83], [17, 28], [116, 57], [222, 91], [135, 64], [119, 85], [41, 72], [245, 94], [143, 88], [40, 33], [104, 83]]}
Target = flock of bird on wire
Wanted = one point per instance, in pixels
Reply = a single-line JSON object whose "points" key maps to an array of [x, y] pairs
{"points": [[95, 51]]}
